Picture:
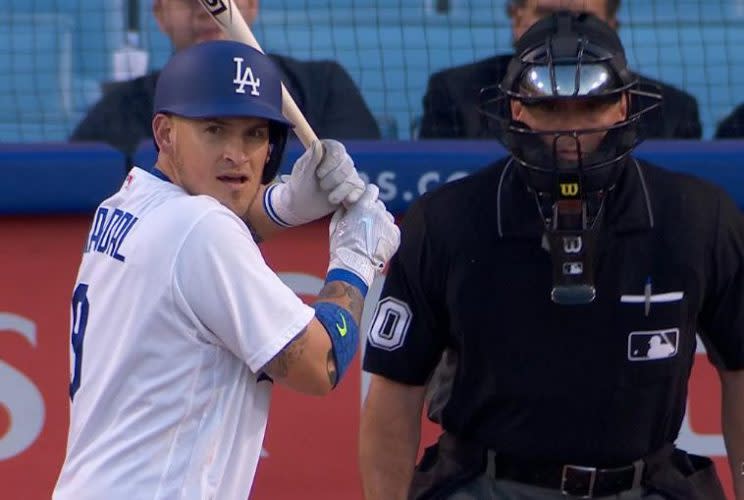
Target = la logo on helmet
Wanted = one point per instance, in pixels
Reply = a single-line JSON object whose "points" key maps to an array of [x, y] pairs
{"points": [[245, 77]]}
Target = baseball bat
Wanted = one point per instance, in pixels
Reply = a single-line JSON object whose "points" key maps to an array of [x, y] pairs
{"points": [[229, 18]]}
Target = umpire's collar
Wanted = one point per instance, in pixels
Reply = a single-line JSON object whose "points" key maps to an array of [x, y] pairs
{"points": [[628, 206]]}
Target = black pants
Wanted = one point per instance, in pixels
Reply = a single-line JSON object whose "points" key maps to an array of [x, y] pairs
{"points": [[488, 488], [453, 469]]}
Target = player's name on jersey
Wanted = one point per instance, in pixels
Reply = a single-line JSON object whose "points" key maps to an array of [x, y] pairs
{"points": [[109, 229]]}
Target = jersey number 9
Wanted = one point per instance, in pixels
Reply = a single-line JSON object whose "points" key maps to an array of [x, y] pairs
{"points": [[79, 322]]}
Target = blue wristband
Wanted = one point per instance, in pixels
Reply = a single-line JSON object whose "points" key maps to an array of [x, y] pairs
{"points": [[343, 331], [348, 277]]}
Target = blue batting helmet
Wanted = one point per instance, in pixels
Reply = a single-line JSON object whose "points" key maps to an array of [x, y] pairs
{"points": [[225, 79]]}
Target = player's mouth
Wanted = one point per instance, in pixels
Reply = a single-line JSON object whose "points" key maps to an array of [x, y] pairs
{"points": [[233, 180]]}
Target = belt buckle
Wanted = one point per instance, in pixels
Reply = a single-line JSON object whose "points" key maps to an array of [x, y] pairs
{"points": [[581, 471]]}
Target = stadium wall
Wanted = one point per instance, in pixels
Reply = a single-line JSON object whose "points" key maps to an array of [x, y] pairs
{"points": [[47, 194]]}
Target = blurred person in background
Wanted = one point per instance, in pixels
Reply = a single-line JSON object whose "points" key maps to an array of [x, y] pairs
{"points": [[732, 126], [323, 90], [451, 100]]}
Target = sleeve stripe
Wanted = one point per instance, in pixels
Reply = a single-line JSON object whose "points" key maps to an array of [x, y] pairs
{"points": [[270, 209]]}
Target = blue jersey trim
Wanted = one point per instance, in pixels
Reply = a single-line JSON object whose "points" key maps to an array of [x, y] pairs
{"points": [[159, 174]]}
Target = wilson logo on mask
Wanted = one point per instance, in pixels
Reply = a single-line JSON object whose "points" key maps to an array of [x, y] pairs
{"points": [[569, 189]]}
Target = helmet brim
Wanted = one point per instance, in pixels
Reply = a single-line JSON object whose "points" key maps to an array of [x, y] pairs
{"points": [[227, 109]]}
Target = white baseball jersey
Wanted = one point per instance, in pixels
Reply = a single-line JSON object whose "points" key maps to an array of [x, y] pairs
{"points": [[174, 313]]}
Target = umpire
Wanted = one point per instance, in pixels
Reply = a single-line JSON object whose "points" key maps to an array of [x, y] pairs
{"points": [[567, 282]]}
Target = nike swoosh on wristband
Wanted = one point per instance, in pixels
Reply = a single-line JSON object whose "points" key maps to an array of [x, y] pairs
{"points": [[342, 329]]}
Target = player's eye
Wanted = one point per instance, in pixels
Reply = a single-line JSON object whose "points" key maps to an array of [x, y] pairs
{"points": [[595, 105], [547, 106], [214, 129], [259, 133]]}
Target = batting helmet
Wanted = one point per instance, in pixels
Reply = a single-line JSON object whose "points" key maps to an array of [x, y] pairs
{"points": [[568, 56], [225, 79]]}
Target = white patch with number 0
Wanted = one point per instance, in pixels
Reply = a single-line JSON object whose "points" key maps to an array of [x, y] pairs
{"points": [[390, 324]]}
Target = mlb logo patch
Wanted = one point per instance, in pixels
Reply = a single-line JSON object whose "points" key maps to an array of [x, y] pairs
{"points": [[653, 344]]}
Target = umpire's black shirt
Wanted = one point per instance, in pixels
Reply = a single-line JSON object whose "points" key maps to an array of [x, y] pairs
{"points": [[597, 384]]}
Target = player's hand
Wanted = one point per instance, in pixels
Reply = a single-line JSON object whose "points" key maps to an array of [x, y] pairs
{"points": [[322, 178], [363, 237]]}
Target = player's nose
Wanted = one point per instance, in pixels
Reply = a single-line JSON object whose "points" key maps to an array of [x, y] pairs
{"points": [[235, 152]]}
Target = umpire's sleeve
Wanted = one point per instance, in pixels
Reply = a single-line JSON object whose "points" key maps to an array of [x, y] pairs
{"points": [[408, 330], [722, 317]]}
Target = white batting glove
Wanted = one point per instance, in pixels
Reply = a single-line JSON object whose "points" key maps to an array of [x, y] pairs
{"points": [[322, 178], [363, 237]]}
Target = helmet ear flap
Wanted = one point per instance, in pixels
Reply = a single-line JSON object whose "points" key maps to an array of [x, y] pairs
{"points": [[277, 141]]}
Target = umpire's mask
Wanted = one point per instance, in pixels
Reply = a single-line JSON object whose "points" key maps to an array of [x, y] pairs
{"points": [[569, 59]]}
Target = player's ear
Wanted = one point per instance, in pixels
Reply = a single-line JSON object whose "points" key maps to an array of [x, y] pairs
{"points": [[163, 131], [516, 109], [623, 107]]}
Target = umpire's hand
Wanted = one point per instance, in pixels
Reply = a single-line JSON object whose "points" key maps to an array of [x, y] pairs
{"points": [[322, 178], [363, 237]]}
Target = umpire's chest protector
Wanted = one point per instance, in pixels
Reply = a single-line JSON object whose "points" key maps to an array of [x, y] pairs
{"points": [[632, 347]]}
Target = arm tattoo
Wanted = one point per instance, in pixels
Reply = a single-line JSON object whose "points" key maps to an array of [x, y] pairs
{"points": [[279, 365], [350, 298], [345, 295]]}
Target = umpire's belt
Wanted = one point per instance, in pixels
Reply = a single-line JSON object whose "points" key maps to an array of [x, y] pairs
{"points": [[575, 480]]}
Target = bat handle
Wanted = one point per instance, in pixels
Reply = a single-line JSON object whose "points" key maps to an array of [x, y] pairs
{"points": [[302, 128]]}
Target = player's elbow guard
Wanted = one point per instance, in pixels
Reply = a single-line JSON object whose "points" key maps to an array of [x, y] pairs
{"points": [[344, 333]]}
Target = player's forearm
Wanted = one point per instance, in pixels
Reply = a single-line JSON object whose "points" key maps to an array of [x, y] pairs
{"points": [[387, 457], [344, 295], [732, 383], [314, 362], [351, 300]]}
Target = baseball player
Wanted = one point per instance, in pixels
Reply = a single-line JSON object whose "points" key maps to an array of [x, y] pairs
{"points": [[178, 324], [567, 283]]}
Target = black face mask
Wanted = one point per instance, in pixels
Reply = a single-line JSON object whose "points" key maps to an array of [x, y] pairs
{"points": [[571, 201], [569, 57], [572, 219]]}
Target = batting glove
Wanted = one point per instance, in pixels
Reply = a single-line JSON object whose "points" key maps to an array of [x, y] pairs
{"points": [[322, 178], [363, 237]]}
